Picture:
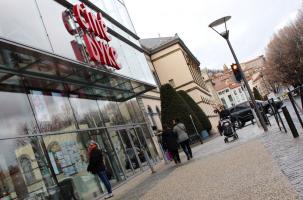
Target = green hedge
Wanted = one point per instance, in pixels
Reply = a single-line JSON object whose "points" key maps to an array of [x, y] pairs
{"points": [[173, 106], [197, 110]]}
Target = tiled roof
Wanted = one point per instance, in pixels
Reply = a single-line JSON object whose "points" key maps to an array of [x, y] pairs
{"points": [[154, 43]]}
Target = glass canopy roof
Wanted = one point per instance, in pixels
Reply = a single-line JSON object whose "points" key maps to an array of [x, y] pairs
{"points": [[23, 68]]}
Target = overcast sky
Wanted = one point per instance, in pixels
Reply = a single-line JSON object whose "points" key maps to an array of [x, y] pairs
{"points": [[251, 27]]}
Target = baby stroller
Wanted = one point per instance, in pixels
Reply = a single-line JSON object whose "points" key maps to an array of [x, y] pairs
{"points": [[228, 129]]}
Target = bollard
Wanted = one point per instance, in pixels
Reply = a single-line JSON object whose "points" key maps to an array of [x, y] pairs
{"points": [[274, 106], [291, 98], [290, 122]]}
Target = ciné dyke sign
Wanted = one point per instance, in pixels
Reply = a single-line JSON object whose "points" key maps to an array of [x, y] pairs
{"points": [[93, 27]]}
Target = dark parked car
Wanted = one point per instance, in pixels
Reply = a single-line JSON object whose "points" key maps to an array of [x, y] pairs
{"points": [[240, 114], [134, 162], [268, 109]]}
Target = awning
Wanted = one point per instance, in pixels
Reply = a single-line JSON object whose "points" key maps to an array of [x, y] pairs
{"points": [[33, 69]]}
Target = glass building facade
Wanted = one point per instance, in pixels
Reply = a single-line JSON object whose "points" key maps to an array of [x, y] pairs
{"points": [[53, 101]]}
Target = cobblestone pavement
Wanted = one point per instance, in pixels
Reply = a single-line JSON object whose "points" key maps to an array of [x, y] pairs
{"points": [[257, 166], [242, 169], [287, 151]]}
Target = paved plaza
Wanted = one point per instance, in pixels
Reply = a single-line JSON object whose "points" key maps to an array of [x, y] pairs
{"points": [[257, 166]]}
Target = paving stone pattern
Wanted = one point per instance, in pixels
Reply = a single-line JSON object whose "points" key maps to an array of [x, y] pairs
{"points": [[288, 152], [243, 169]]}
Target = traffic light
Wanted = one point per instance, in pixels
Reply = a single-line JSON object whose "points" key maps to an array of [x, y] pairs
{"points": [[237, 72]]}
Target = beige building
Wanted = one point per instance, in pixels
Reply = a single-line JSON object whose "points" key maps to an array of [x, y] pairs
{"points": [[172, 62], [210, 84], [229, 92], [253, 71]]}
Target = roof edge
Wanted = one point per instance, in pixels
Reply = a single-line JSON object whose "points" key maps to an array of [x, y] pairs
{"points": [[176, 40]]}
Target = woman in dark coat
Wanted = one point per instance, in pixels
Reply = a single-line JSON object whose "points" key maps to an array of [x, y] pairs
{"points": [[170, 143], [96, 166]]}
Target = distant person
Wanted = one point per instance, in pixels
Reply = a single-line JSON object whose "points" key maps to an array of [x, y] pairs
{"points": [[96, 166], [170, 143], [183, 138], [223, 113]]}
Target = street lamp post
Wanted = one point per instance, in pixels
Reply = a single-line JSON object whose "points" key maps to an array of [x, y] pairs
{"points": [[225, 35]]}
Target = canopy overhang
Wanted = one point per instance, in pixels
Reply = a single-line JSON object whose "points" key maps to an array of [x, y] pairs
{"points": [[24, 68]]}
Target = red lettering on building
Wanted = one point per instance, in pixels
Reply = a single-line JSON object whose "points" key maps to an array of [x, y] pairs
{"points": [[91, 48], [78, 11], [94, 31]]}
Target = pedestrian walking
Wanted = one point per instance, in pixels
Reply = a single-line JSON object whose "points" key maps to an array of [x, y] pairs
{"points": [[170, 143], [96, 166], [183, 138]]}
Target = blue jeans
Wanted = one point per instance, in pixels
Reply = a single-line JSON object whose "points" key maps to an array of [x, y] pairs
{"points": [[102, 175]]}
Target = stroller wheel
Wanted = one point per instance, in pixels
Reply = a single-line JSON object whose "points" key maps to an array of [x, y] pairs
{"points": [[225, 140]]}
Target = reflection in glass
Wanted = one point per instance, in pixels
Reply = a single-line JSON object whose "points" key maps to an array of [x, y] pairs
{"points": [[53, 112], [137, 111], [111, 161], [24, 172], [121, 151], [16, 117], [62, 42], [110, 112], [69, 160], [145, 137], [25, 27], [86, 112]]}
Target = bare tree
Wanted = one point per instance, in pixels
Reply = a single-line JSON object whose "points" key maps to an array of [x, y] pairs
{"points": [[284, 55]]}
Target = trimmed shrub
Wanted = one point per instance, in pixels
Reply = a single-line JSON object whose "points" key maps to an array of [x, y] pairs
{"points": [[197, 110], [173, 106]]}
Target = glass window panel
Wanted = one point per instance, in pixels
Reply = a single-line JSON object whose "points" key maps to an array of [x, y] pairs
{"points": [[60, 39], [126, 21], [133, 62], [100, 4], [116, 10], [69, 160], [110, 113], [26, 26], [16, 117], [121, 150], [53, 112], [87, 113], [137, 111], [24, 172], [124, 109], [108, 148], [145, 136]]}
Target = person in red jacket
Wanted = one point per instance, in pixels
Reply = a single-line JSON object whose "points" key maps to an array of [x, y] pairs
{"points": [[96, 166]]}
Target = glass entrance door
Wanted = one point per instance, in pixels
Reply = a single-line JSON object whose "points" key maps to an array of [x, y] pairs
{"points": [[139, 146], [129, 149]]}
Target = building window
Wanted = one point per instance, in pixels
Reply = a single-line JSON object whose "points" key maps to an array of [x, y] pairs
{"points": [[172, 82], [27, 169], [149, 109], [240, 91], [230, 98], [224, 102], [235, 92]]}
